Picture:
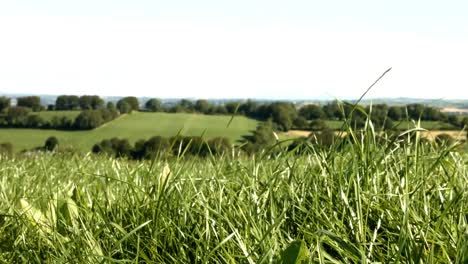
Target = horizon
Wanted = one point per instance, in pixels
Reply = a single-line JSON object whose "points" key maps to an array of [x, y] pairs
{"points": [[299, 50], [387, 100]]}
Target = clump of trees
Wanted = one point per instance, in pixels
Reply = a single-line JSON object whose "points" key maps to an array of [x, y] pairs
{"points": [[128, 104], [73, 102], [262, 138], [4, 103], [21, 117], [90, 119], [32, 102], [382, 115], [176, 146]]}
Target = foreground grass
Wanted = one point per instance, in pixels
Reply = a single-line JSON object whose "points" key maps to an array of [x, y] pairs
{"points": [[358, 203], [137, 125]]}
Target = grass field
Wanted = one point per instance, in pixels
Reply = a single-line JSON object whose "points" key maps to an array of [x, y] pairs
{"points": [[359, 203], [136, 126], [404, 125]]}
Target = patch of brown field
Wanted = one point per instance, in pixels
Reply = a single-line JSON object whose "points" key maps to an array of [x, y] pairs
{"points": [[456, 134], [454, 110], [298, 133]]}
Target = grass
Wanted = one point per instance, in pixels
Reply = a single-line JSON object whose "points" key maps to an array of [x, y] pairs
{"points": [[136, 126], [361, 202]]}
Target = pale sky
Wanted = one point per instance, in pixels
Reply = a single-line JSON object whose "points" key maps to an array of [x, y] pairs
{"points": [[242, 48]]}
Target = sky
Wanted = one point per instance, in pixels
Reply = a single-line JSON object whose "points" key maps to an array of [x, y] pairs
{"points": [[294, 49]]}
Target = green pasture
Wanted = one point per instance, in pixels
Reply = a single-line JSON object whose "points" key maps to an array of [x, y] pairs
{"points": [[364, 202], [137, 125]]}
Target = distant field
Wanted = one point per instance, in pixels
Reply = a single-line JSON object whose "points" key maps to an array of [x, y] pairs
{"points": [[48, 115], [136, 126], [431, 125]]}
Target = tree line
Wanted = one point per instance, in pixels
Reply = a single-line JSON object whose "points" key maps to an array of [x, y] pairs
{"points": [[283, 115], [24, 114], [21, 117], [157, 145]]}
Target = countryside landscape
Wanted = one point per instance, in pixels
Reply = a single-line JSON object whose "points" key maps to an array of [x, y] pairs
{"points": [[242, 181], [282, 132]]}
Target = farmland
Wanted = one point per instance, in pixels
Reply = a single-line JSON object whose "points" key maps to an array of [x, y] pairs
{"points": [[134, 126], [361, 203]]}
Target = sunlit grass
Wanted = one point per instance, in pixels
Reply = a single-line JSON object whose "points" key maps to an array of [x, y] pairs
{"points": [[365, 201]]}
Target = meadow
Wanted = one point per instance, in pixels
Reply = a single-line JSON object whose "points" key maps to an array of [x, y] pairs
{"points": [[134, 126], [363, 201]]}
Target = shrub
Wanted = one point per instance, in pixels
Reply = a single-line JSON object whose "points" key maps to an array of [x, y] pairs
{"points": [[6, 148], [51, 143]]}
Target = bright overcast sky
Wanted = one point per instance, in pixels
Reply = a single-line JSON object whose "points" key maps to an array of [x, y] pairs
{"points": [[242, 48]]}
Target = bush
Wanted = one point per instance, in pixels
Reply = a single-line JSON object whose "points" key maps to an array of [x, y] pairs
{"points": [[318, 125], [51, 143], [444, 139], [219, 146], [129, 102], [300, 123], [6, 148]]}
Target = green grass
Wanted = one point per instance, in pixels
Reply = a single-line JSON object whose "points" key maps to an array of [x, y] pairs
{"points": [[136, 126], [48, 115], [334, 124], [354, 203], [429, 125]]}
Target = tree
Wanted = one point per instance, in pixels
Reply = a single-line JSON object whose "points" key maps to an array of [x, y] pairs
{"points": [[51, 143], [262, 137], [415, 111], [232, 107], [283, 114], [202, 106], [248, 108], [88, 102], [153, 105], [131, 101], [67, 102], [4, 103], [311, 111], [453, 119], [121, 147], [16, 116], [300, 123], [395, 113], [332, 110], [219, 109], [155, 145], [124, 107], [33, 102], [111, 106], [89, 119]]}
